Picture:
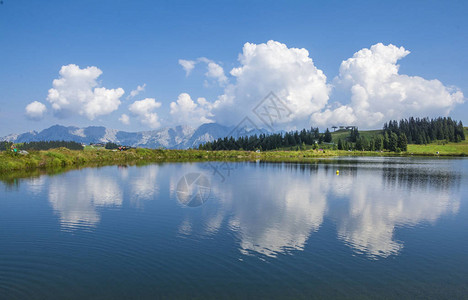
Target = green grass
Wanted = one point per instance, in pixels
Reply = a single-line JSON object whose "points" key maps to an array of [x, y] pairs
{"points": [[450, 149], [65, 158], [447, 149], [343, 134], [89, 147]]}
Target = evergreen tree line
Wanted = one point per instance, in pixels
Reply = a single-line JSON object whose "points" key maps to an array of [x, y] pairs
{"points": [[4, 146], [43, 145], [270, 141], [111, 145], [425, 130], [299, 139], [392, 142]]}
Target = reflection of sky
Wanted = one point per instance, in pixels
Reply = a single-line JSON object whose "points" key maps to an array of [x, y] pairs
{"points": [[76, 196], [284, 220], [276, 209], [270, 219], [144, 185], [271, 209], [76, 199], [36, 184], [378, 205]]}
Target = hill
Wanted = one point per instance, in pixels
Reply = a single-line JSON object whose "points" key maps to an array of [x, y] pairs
{"points": [[343, 134], [442, 148]]}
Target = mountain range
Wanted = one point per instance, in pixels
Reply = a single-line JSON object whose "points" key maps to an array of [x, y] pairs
{"points": [[179, 137]]}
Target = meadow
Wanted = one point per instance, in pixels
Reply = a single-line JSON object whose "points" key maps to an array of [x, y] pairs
{"points": [[65, 158]]}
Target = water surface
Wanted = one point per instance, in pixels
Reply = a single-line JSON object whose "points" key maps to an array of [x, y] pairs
{"points": [[382, 227]]}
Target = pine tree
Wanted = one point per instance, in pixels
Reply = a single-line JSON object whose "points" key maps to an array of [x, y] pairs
{"points": [[378, 143], [328, 137], [386, 141], [403, 142], [393, 142], [359, 145], [340, 144]]}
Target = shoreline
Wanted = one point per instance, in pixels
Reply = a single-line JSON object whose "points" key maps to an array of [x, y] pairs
{"points": [[73, 159]]}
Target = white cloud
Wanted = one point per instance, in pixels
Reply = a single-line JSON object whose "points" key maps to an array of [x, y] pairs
{"points": [[186, 111], [125, 119], [136, 91], [213, 70], [379, 93], [188, 65], [35, 110], [77, 91], [144, 110], [273, 67]]}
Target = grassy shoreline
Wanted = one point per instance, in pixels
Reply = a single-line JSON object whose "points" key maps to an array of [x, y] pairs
{"points": [[65, 158], [62, 157]]}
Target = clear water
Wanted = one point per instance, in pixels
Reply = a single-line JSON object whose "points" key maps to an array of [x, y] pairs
{"points": [[381, 228]]}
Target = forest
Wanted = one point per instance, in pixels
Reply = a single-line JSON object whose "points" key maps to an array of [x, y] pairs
{"points": [[395, 136], [425, 130], [43, 145], [270, 141]]}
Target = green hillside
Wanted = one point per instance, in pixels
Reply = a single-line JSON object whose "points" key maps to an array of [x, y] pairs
{"points": [[343, 134], [443, 148]]}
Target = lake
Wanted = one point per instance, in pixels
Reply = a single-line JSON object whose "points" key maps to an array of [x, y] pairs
{"points": [[378, 228]]}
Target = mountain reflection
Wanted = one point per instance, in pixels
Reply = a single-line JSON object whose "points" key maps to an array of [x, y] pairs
{"points": [[276, 208]]}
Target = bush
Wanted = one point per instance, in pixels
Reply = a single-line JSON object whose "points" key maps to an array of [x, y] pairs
{"points": [[111, 145]]}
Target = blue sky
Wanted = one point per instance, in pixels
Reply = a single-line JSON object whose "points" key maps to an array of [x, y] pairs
{"points": [[141, 42]]}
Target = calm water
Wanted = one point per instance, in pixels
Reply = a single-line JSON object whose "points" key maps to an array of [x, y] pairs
{"points": [[384, 227]]}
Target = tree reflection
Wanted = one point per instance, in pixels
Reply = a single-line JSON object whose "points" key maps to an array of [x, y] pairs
{"points": [[275, 207]]}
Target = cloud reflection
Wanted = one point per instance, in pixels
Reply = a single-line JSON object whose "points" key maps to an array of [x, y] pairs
{"points": [[378, 205], [36, 184], [275, 208], [144, 185], [270, 219], [282, 219], [76, 199]]}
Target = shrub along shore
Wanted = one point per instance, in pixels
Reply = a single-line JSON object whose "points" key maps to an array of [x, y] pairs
{"points": [[65, 158]]}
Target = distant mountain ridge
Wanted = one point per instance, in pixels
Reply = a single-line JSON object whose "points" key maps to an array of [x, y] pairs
{"points": [[179, 137]]}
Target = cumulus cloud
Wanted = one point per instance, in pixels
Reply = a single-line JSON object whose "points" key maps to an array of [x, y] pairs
{"points": [[35, 110], [136, 91], [144, 110], [125, 119], [188, 65], [217, 72], [374, 91], [273, 67], [186, 111], [379, 93], [77, 91], [213, 70]]}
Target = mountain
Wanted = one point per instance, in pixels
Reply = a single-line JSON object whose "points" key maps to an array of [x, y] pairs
{"points": [[179, 137], [205, 133]]}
